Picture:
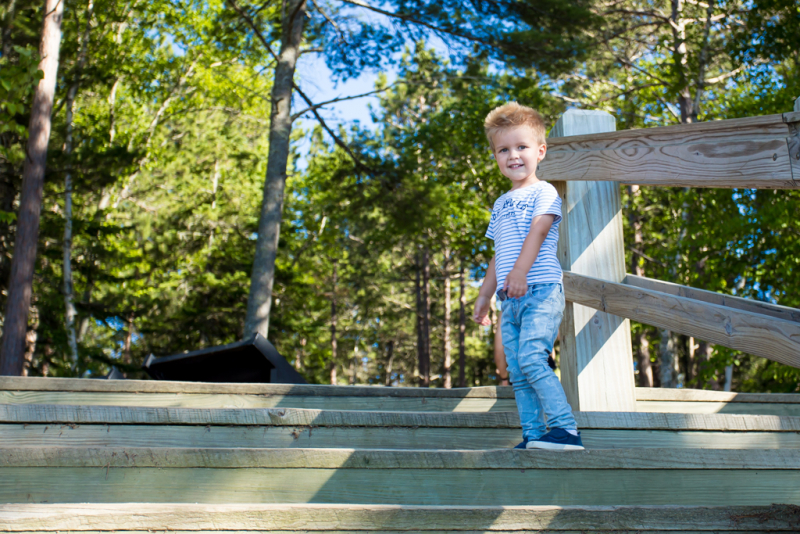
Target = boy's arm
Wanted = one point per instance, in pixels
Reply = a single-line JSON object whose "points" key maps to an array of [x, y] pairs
{"points": [[516, 284], [484, 301]]}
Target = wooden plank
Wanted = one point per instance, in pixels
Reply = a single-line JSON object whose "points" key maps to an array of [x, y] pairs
{"points": [[65, 414], [500, 459], [793, 141], [596, 350], [720, 299], [788, 410], [705, 395], [756, 334], [385, 531], [15, 383], [227, 400], [437, 487], [261, 517], [750, 152], [35, 435]]}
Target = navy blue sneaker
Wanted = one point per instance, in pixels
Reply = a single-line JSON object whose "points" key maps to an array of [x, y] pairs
{"points": [[523, 445], [558, 439]]}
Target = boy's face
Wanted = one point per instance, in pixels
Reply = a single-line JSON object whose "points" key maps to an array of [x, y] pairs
{"points": [[518, 153]]}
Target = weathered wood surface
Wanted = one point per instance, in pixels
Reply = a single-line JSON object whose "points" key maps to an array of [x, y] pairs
{"points": [[703, 401], [422, 528], [476, 487], [66, 414], [502, 459], [395, 404], [228, 400], [751, 153], [13, 383], [756, 334], [38, 435], [756, 408], [596, 351], [705, 395], [261, 517], [712, 297]]}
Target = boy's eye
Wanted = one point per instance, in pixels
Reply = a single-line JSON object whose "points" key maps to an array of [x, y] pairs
{"points": [[522, 147]]}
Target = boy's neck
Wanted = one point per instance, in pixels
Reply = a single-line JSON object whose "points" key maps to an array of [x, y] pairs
{"points": [[519, 184]]}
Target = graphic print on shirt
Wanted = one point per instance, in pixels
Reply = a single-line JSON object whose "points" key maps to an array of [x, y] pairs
{"points": [[510, 224]]}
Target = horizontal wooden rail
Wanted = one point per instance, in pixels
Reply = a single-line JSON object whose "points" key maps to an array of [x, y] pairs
{"points": [[712, 297], [751, 332], [755, 152]]}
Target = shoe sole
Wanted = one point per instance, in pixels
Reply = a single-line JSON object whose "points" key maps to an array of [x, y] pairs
{"points": [[554, 446]]}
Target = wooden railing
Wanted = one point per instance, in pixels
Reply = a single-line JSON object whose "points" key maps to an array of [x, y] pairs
{"points": [[585, 160]]}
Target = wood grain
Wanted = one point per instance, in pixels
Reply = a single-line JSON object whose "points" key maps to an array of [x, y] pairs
{"points": [[476, 487], [15, 383], [289, 417], [596, 362], [262, 517], [750, 152], [502, 459], [720, 299], [753, 333], [88, 435], [704, 395], [227, 400]]}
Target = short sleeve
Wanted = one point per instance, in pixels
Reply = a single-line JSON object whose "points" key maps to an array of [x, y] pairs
{"points": [[548, 203], [492, 225]]}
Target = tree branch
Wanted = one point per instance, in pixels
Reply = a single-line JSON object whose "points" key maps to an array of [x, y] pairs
{"points": [[409, 18], [339, 99]]}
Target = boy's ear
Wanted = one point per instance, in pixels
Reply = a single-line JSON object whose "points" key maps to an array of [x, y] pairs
{"points": [[542, 152]]}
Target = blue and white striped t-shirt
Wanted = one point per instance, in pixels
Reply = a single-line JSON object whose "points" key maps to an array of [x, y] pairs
{"points": [[511, 222]]}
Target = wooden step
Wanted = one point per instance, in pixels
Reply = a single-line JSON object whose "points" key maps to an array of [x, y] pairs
{"points": [[701, 401], [48, 425], [147, 517], [32, 390], [480, 478]]}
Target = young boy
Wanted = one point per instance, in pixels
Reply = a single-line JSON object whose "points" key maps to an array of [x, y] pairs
{"points": [[527, 278]]}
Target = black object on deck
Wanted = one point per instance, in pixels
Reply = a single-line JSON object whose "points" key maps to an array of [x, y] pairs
{"points": [[251, 360]]}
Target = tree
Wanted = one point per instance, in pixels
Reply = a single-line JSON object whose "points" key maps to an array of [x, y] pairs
{"points": [[544, 29], [22, 266]]}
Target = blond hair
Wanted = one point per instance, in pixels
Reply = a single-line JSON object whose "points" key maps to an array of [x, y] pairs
{"points": [[512, 115]]}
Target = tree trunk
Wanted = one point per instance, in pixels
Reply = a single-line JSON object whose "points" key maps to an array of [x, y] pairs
{"points": [[128, 341], [419, 322], [640, 339], [425, 371], [72, 93], [259, 300], [333, 325], [389, 361], [462, 328], [667, 350], [298, 362], [20, 286], [448, 380]]}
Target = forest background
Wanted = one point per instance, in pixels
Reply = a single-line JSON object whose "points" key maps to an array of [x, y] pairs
{"points": [[161, 140]]}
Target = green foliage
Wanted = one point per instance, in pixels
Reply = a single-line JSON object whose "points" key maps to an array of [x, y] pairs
{"points": [[170, 153]]}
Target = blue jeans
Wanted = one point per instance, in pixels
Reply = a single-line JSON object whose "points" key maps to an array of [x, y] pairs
{"points": [[530, 326]]}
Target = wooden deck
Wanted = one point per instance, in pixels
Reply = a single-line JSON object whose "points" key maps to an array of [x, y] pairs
{"points": [[135, 456]]}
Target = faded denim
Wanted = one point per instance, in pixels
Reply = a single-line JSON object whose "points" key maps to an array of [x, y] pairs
{"points": [[529, 327]]}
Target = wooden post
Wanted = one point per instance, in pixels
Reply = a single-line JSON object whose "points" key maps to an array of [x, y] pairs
{"points": [[596, 351], [797, 105]]}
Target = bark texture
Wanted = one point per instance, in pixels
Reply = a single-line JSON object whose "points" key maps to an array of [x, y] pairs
{"points": [[262, 278], [72, 93], [640, 338], [447, 375], [20, 287], [334, 342], [462, 328]]}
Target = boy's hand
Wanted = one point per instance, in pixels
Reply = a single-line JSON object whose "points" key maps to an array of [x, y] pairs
{"points": [[481, 315], [516, 284]]}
